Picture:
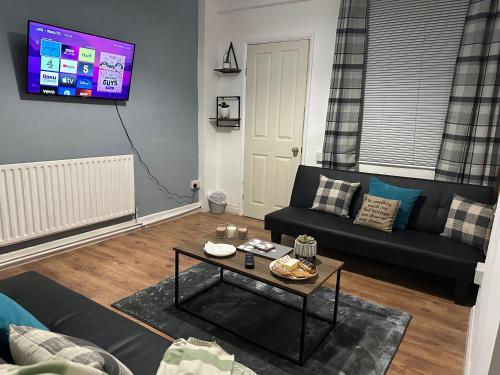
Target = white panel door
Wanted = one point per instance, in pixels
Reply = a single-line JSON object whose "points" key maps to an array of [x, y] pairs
{"points": [[274, 121]]}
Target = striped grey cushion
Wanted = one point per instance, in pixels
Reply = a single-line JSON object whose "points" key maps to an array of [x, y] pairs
{"points": [[334, 196], [469, 222], [30, 345]]}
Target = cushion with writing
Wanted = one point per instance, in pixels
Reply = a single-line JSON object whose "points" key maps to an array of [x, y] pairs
{"points": [[378, 213]]}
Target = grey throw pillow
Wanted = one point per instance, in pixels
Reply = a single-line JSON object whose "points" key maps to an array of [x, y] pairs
{"points": [[469, 222], [334, 196], [30, 345]]}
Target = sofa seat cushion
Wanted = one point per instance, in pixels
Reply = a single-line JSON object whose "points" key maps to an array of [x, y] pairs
{"points": [[67, 312], [416, 249]]}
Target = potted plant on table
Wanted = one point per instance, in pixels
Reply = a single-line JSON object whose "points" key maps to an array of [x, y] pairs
{"points": [[305, 246], [224, 111]]}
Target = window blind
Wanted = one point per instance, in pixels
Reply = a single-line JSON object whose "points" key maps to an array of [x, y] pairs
{"points": [[411, 56]]}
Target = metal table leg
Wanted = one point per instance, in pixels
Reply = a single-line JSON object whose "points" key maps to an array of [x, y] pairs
{"points": [[176, 297], [303, 330], [337, 287]]}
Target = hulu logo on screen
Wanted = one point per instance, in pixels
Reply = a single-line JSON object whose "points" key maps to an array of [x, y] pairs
{"points": [[86, 55]]}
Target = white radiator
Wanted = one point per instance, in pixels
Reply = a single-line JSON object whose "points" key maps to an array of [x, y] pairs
{"points": [[42, 198]]}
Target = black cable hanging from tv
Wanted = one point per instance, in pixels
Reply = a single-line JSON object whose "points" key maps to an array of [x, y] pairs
{"points": [[170, 195]]}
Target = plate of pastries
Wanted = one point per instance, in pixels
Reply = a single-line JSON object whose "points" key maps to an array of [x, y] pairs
{"points": [[293, 269]]}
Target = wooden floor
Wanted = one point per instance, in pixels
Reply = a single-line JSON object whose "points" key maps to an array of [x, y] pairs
{"points": [[108, 271]]}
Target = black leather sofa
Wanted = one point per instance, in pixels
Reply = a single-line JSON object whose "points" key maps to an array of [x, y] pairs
{"points": [[67, 312], [419, 246]]}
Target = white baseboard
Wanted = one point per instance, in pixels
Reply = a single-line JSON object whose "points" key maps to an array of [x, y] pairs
{"points": [[168, 214], [233, 208], [468, 347], [46, 249]]}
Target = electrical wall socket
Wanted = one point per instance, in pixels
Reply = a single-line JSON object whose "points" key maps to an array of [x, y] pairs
{"points": [[319, 156], [194, 184]]}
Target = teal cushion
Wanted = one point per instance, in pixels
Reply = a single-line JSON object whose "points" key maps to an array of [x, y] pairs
{"points": [[13, 313], [408, 197]]}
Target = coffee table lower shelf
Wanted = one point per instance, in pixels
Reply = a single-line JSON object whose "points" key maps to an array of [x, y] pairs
{"points": [[303, 353]]}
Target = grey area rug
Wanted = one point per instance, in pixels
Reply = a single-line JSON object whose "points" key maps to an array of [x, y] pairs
{"points": [[364, 341]]}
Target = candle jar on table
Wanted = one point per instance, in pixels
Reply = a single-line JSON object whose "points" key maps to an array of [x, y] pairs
{"points": [[220, 231], [232, 231], [242, 233]]}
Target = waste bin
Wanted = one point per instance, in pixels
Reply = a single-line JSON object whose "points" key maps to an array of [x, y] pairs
{"points": [[217, 202]]}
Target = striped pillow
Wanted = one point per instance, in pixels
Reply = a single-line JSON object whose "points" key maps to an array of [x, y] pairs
{"points": [[29, 346]]}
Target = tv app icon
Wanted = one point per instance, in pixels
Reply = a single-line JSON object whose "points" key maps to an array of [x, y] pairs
{"points": [[50, 63], [68, 66], [85, 69], [81, 92], [66, 91], [70, 52], [50, 48], [49, 78], [67, 79], [86, 55], [84, 83], [47, 90]]}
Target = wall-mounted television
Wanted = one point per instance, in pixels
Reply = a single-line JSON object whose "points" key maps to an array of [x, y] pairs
{"points": [[67, 62]]}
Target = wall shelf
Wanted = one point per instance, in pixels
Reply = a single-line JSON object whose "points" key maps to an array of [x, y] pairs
{"points": [[228, 70], [227, 60], [227, 122]]}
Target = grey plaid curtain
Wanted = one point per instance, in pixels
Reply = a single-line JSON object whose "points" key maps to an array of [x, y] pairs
{"points": [[346, 88], [470, 146]]}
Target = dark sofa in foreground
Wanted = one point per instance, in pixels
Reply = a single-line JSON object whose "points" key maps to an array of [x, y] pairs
{"points": [[419, 246], [67, 312]]}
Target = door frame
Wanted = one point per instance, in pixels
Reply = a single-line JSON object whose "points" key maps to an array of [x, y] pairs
{"points": [[264, 40]]}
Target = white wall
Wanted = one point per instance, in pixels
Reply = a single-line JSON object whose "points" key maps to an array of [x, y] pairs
{"points": [[245, 22], [254, 21], [483, 330]]}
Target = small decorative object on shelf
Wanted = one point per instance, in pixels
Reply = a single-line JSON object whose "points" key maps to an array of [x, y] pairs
{"points": [[227, 65], [242, 233], [224, 110], [220, 231], [305, 246], [232, 231], [224, 114], [227, 58]]}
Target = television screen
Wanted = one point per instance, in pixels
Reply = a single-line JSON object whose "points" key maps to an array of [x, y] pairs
{"points": [[68, 62]]}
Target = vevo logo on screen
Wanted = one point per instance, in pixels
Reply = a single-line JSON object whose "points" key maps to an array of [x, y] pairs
{"points": [[44, 90], [68, 66], [49, 78]]}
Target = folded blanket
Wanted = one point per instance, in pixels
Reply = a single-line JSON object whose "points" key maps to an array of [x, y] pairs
{"points": [[193, 356]]}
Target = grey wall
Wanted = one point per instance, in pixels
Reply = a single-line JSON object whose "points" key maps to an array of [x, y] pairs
{"points": [[161, 114]]}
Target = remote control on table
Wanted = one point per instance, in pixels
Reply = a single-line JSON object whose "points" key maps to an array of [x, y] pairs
{"points": [[249, 260]]}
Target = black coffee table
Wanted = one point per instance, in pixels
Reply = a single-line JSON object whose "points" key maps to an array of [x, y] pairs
{"points": [[235, 263]]}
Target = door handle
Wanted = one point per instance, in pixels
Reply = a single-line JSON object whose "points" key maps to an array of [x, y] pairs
{"points": [[295, 151]]}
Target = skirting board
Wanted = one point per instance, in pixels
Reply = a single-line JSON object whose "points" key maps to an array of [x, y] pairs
{"points": [[73, 242], [468, 347], [233, 208], [169, 214]]}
